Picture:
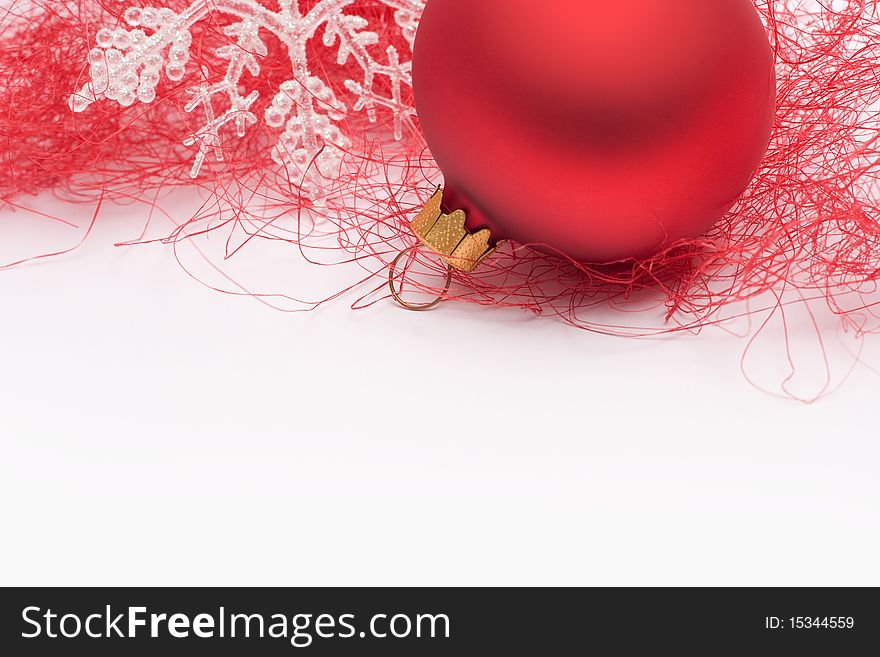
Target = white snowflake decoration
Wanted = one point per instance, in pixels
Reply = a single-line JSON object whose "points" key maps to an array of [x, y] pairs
{"points": [[126, 66]]}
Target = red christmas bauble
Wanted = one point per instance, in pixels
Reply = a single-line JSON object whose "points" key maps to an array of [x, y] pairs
{"points": [[603, 130]]}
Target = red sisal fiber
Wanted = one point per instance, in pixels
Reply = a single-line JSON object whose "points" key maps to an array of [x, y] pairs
{"points": [[806, 234]]}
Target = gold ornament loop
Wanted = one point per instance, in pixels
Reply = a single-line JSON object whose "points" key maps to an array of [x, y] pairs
{"points": [[396, 294], [447, 236]]}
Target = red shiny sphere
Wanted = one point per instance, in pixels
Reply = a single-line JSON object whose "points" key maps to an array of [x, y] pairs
{"points": [[601, 129]]}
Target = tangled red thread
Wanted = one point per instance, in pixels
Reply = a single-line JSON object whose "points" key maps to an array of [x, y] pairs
{"points": [[803, 240]]}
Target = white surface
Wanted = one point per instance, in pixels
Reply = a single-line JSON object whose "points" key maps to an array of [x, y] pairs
{"points": [[155, 432]]}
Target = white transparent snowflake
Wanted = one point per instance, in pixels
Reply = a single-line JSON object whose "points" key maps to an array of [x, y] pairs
{"points": [[126, 67]]}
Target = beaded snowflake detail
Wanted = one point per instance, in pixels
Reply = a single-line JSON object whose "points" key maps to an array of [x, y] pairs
{"points": [[126, 67]]}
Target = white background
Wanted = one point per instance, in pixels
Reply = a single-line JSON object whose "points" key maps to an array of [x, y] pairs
{"points": [[155, 432]]}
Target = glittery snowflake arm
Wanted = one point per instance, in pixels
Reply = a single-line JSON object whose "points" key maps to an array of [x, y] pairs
{"points": [[126, 67], [241, 57]]}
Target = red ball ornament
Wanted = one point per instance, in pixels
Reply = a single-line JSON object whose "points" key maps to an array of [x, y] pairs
{"points": [[604, 130]]}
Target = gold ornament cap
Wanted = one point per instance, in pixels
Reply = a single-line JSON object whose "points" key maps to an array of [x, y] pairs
{"points": [[447, 236]]}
